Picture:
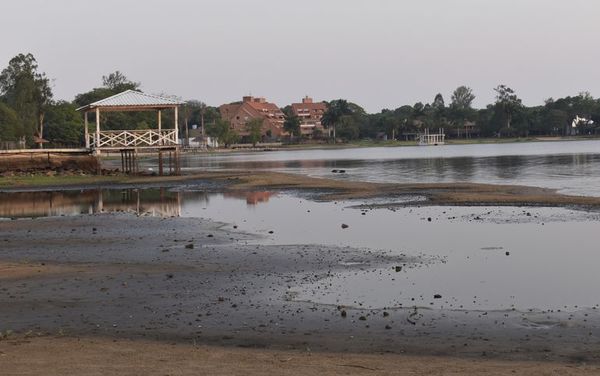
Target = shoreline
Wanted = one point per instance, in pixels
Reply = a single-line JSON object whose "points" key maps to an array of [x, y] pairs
{"points": [[458, 194]]}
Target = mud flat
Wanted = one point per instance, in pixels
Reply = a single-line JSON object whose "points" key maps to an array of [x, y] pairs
{"points": [[200, 290], [463, 194]]}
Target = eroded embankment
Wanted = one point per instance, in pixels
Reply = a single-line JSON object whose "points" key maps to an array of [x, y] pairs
{"points": [[47, 162]]}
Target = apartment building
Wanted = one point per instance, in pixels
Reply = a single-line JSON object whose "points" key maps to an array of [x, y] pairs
{"points": [[240, 113], [310, 114]]}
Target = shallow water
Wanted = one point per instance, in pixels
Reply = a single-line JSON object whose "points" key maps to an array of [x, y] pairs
{"points": [[551, 263], [572, 167]]}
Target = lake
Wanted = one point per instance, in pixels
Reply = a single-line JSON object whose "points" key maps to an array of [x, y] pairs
{"points": [[572, 167]]}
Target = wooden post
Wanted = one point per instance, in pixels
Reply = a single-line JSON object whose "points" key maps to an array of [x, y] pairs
{"points": [[160, 163], [176, 125], [159, 120], [97, 127], [86, 131]]}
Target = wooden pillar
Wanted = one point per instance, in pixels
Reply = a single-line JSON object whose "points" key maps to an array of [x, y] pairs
{"points": [[86, 130], [160, 163], [97, 127], [159, 126], [176, 125]]}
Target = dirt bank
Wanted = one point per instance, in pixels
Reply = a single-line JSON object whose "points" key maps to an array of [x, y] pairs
{"points": [[48, 162]]}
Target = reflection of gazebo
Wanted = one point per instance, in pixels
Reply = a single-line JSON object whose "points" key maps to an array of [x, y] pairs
{"points": [[131, 100]]}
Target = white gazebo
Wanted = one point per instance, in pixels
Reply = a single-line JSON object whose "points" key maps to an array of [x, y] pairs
{"points": [[131, 100]]}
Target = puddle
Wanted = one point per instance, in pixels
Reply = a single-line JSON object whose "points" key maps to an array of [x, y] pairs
{"points": [[482, 258]]}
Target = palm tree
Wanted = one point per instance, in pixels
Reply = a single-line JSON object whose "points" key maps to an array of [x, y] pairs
{"points": [[336, 109]]}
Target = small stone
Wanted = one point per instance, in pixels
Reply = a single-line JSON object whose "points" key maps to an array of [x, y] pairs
{"points": [[343, 313], [362, 318], [398, 269], [385, 314], [507, 253], [437, 296], [345, 225], [388, 327], [189, 246], [429, 219]]}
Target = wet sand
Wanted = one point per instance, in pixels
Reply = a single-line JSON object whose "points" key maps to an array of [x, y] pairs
{"points": [[188, 281], [54, 356]]}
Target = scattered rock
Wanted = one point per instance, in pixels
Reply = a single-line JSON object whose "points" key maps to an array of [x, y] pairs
{"points": [[437, 296], [345, 225], [189, 246]]}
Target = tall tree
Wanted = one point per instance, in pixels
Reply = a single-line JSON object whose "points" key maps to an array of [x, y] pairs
{"points": [[11, 128], [118, 82], [27, 91], [508, 101], [462, 98]]}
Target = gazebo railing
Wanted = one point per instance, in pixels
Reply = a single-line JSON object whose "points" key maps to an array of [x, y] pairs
{"points": [[133, 139]]}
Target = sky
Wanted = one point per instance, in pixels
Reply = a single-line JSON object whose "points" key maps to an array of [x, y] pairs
{"points": [[376, 53]]}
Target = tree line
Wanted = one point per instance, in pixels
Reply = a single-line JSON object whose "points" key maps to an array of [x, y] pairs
{"points": [[29, 113]]}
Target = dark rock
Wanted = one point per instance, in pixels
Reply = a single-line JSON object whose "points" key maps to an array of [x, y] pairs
{"points": [[362, 318], [345, 225], [507, 253], [398, 269], [429, 219], [189, 246], [437, 296], [343, 313]]}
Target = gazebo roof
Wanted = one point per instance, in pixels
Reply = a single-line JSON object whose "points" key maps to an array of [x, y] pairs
{"points": [[131, 100]]}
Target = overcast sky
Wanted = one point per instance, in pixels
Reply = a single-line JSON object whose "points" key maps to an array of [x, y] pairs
{"points": [[377, 53]]}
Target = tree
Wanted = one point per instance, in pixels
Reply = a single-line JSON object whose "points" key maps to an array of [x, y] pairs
{"points": [[27, 91], [348, 128], [64, 125], [292, 124], [118, 82], [11, 128], [462, 98], [221, 129], [508, 101], [254, 128], [335, 110]]}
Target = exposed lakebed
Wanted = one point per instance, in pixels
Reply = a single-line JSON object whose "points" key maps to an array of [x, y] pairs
{"points": [[458, 258]]}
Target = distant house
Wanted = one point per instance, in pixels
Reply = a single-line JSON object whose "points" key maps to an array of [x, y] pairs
{"points": [[310, 114], [197, 140], [239, 114]]}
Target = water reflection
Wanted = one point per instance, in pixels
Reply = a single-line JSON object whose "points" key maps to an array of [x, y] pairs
{"points": [[252, 198], [157, 202]]}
